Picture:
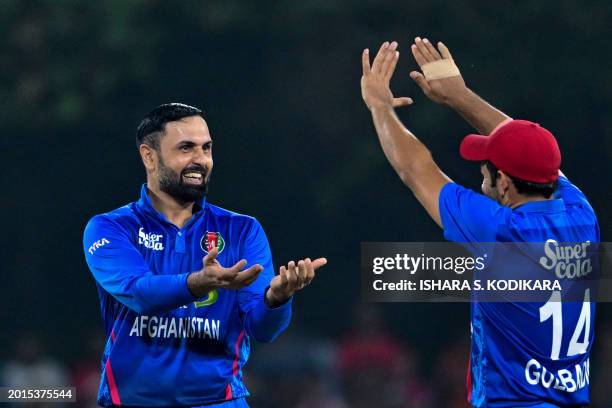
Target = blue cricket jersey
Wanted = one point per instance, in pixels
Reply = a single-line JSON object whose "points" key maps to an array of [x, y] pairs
{"points": [[519, 357], [164, 347]]}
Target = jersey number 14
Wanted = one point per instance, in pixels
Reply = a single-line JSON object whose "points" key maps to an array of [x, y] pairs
{"points": [[552, 308]]}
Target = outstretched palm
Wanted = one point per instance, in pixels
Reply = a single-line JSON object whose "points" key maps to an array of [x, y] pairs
{"points": [[375, 80], [440, 89], [292, 278]]}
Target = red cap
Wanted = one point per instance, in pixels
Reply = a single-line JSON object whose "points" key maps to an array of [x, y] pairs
{"points": [[519, 148]]}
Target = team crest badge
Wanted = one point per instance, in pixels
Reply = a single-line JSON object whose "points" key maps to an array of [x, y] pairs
{"points": [[212, 240]]}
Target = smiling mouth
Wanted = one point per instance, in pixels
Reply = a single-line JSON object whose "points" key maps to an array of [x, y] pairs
{"points": [[193, 178]]}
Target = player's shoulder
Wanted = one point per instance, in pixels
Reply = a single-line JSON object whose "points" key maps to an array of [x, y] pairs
{"points": [[571, 194], [468, 216], [231, 217], [123, 218], [465, 200]]}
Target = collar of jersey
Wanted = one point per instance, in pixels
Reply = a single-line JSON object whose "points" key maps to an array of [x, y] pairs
{"points": [[544, 206], [147, 206]]}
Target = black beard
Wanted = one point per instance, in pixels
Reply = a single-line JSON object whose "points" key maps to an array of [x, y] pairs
{"points": [[172, 184]]}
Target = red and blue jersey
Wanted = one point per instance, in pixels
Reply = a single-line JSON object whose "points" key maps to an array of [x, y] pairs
{"points": [[526, 354], [164, 347]]}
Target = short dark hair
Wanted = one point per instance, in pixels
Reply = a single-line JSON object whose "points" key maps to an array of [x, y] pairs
{"points": [[527, 188], [151, 128]]}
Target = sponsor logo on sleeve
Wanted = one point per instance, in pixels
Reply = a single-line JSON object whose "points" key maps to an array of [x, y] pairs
{"points": [[98, 244]]}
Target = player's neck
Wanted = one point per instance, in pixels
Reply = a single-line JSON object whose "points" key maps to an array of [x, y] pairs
{"points": [[521, 199], [176, 212]]}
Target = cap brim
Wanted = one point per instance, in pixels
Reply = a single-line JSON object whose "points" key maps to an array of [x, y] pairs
{"points": [[474, 147]]}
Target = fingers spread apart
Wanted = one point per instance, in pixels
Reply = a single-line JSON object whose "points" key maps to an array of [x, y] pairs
{"points": [[384, 62], [424, 51], [380, 56], [297, 276], [432, 51], [391, 63]]}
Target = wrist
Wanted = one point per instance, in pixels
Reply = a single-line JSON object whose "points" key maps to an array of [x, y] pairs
{"points": [[459, 99], [274, 299], [383, 107], [196, 285]]}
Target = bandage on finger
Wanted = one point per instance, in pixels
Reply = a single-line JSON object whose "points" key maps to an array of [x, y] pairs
{"points": [[444, 68]]}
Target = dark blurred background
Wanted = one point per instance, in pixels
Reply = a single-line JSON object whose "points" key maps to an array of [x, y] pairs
{"points": [[294, 147]]}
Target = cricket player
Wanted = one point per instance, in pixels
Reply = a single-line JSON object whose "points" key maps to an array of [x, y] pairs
{"points": [[523, 354], [179, 307]]}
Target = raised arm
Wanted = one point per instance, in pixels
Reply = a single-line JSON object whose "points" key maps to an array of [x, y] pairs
{"points": [[409, 157], [441, 81]]}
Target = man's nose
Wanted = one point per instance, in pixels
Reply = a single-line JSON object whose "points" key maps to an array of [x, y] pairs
{"points": [[200, 157]]}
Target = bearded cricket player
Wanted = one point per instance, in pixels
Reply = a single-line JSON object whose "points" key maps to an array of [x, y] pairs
{"points": [[179, 308], [523, 354]]}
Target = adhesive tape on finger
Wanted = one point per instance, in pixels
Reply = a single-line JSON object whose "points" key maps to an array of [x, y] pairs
{"points": [[444, 68]]}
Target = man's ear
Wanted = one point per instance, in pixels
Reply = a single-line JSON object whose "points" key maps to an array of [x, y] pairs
{"points": [[149, 156], [503, 182]]}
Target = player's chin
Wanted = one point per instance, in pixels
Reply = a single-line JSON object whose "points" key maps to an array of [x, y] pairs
{"points": [[190, 192]]}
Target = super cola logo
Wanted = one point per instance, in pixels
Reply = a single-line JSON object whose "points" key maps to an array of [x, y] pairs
{"points": [[568, 261], [151, 241]]}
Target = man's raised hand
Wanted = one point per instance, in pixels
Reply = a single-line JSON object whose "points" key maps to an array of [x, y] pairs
{"points": [[375, 80], [213, 275], [444, 84], [292, 278]]}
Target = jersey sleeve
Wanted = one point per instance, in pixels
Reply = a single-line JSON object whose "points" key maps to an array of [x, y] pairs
{"points": [[119, 268], [468, 216], [571, 194], [261, 322]]}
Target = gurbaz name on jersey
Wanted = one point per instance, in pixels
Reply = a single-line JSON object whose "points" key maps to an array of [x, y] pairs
{"points": [[176, 327]]}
